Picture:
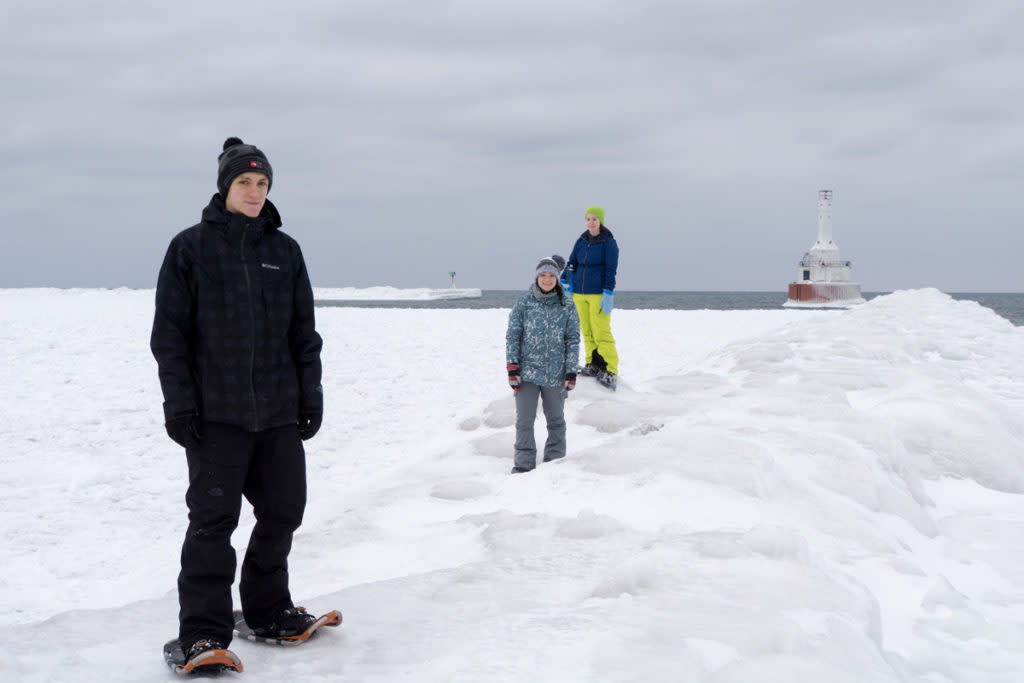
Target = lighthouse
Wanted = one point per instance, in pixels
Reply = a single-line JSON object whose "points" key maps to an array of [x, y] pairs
{"points": [[823, 279]]}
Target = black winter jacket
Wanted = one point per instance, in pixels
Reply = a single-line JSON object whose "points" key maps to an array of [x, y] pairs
{"points": [[234, 335]]}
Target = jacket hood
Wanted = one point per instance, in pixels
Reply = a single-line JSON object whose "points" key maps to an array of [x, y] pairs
{"points": [[217, 213]]}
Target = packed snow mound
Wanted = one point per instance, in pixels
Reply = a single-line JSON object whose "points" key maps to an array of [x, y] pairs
{"points": [[821, 496]]}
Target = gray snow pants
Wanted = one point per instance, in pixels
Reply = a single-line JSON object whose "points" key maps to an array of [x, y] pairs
{"points": [[526, 414]]}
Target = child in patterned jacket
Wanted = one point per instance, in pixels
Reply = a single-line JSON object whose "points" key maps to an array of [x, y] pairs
{"points": [[542, 347]]}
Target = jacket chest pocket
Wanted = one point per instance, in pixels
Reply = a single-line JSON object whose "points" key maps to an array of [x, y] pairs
{"points": [[277, 290]]}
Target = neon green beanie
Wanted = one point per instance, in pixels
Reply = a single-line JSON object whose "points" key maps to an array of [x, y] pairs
{"points": [[597, 211]]}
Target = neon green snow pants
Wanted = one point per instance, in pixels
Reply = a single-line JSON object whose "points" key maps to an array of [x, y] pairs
{"points": [[596, 327]]}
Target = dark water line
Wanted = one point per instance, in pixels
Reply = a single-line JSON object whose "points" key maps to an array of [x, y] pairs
{"points": [[1008, 305]]}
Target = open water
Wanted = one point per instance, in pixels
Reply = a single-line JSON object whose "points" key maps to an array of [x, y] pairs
{"points": [[1010, 306]]}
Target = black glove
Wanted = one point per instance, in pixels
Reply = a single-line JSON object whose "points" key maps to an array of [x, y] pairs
{"points": [[185, 430], [309, 422], [513, 376], [570, 381]]}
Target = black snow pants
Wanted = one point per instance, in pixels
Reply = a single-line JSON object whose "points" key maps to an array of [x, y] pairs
{"points": [[269, 469]]}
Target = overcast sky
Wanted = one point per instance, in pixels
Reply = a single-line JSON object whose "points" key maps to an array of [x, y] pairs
{"points": [[414, 137]]}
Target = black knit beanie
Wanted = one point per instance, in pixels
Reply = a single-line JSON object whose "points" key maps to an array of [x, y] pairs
{"points": [[238, 158]]}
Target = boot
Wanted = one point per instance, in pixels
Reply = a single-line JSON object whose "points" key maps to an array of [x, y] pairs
{"points": [[289, 622]]}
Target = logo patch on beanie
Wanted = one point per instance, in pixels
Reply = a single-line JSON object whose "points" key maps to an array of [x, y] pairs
{"points": [[253, 163]]}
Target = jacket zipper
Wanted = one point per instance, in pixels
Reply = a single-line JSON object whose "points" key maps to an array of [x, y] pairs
{"points": [[583, 280], [252, 335]]}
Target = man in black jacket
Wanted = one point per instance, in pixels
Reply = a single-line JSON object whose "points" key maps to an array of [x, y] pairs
{"points": [[239, 362]]}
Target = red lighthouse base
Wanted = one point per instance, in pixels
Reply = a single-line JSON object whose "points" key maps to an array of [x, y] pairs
{"points": [[824, 295]]}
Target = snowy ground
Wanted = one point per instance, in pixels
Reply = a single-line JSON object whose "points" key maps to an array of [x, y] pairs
{"points": [[790, 496]]}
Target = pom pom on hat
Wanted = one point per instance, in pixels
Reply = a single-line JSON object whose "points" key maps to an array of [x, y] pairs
{"points": [[597, 211], [551, 264], [238, 158]]}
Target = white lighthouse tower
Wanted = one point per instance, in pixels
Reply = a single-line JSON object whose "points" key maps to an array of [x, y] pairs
{"points": [[823, 279]]}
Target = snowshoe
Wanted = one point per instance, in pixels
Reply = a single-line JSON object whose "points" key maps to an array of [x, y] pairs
{"points": [[290, 627], [204, 657], [589, 370], [608, 379]]}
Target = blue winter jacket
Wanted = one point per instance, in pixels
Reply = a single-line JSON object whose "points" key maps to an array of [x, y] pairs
{"points": [[592, 264], [543, 336]]}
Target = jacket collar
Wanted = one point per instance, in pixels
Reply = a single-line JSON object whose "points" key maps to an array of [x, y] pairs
{"points": [[602, 236], [217, 215], [547, 297]]}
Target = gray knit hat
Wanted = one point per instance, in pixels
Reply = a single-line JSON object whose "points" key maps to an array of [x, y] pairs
{"points": [[551, 264], [238, 158]]}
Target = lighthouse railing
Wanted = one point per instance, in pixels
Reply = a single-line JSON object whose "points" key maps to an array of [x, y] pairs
{"points": [[807, 262]]}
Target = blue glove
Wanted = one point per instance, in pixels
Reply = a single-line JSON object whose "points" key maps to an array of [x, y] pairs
{"points": [[607, 301], [566, 286]]}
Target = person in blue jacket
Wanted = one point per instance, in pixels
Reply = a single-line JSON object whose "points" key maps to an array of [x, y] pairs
{"points": [[542, 347], [590, 276]]}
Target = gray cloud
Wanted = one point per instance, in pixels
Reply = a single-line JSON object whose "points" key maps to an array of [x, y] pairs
{"points": [[413, 138]]}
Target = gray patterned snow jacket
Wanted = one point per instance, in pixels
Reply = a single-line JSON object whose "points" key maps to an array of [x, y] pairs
{"points": [[543, 336]]}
